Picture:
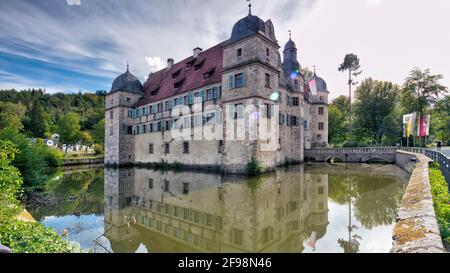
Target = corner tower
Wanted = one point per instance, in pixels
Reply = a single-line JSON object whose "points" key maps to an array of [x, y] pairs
{"points": [[319, 111], [251, 73], [126, 90]]}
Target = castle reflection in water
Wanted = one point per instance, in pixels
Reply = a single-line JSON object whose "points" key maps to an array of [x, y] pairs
{"points": [[298, 209], [190, 212]]}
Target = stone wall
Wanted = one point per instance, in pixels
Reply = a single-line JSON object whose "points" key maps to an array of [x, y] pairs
{"points": [[416, 229]]}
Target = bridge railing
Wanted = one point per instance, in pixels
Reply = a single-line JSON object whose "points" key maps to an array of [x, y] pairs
{"points": [[353, 150], [436, 156]]}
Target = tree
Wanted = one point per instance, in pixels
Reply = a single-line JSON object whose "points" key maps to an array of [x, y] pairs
{"points": [[374, 109], [337, 124], [87, 140], [38, 120], [69, 129], [99, 132], [440, 121], [351, 63], [421, 90], [11, 115]]}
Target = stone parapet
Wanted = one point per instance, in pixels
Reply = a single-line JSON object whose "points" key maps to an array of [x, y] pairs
{"points": [[416, 230]]}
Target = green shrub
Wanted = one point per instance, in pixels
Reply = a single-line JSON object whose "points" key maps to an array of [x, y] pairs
{"points": [[53, 157], [21, 236], [253, 167], [441, 200], [99, 149]]}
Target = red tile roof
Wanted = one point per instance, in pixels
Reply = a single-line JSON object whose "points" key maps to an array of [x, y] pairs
{"points": [[188, 79]]}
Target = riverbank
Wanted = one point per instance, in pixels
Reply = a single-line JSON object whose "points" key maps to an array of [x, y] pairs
{"points": [[84, 160]]}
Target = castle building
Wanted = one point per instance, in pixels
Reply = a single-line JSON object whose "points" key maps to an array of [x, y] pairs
{"points": [[218, 86]]}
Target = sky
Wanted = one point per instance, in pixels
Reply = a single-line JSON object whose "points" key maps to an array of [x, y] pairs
{"points": [[72, 45]]}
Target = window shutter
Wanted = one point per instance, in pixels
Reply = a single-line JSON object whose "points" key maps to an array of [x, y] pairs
{"points": [[243, 79], [216, 92], [230, 82]]}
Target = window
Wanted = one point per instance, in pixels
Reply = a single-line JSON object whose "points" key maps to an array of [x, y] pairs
{"points": [[167, 127], [319, 136], [166, 185], [137, 129], [186, 100], [111, 114], [269, 111], [267, 52], [185, 147], [239, 52], [295, 101], [321, 98], [150, 148], [130, 130], [267, 80], [144, 128], [209, 94], [294, 121], [321, 111], [236, 81], [220, 146], [111, 132], [238, 111], [320, 125], [150, 183], [166, 148], [185, 188], [128, 99], [236, 236], [320, 190]]}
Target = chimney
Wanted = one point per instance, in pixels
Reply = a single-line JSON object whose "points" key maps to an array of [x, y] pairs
{"points": [[169, 62], [197, 51]]}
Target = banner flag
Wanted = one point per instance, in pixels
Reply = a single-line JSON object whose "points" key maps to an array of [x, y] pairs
{"points": [[409, 122], [424, 126], [313, 86]]}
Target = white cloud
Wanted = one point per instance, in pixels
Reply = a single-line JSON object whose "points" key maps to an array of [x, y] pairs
{"points": [[155, 63], [73, 2], [373, 2]]}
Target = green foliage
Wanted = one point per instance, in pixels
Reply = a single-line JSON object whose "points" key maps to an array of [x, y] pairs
{"points": [[337, 125], [99, 132], [18, 235], [69, 129], [11, 115], [374, 111], [37, 120], [253, 167], [441, 200], [35, 162], [99, 149]]}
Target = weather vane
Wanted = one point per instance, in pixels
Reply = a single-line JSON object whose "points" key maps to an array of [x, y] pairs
{"points": [[290, 34], [128, 66], [249, 7]]}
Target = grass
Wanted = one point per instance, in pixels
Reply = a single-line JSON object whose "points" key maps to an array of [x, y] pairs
{"points": [[441, 200]]}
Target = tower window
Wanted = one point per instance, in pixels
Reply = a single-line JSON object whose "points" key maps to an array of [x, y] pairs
{"points": [[150, 183], [185, 147], [239, 80], [185, 188], [321, 111], [111, 132], [321, 98], [239, 52], [150, 148], [320, 125], [220, 146], [111, 114], [295, 101], [267, 52], [267, 80], [166, 148]]}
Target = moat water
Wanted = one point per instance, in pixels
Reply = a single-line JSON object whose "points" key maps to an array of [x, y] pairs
{"points": [[305, 208]]}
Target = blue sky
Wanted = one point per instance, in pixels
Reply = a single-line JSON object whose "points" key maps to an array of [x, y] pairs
{"points": [[71, 45]]}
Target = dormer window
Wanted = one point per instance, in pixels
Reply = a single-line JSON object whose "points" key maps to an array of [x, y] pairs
{"points": [[176, 73], [239, 52], [199, 65], [178, 83], [189, 64], [154, 92], [208, 74]]}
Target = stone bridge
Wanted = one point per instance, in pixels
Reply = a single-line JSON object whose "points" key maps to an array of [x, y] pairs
{"points": [[356, 155]]}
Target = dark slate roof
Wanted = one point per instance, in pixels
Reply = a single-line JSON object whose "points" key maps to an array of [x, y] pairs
{"points": [[184, 76], [246, 27], [290, 45], [320, 83], [127, 82]]}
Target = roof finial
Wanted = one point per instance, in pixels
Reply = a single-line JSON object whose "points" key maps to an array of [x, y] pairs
{"points": [[290, 34], [249, 7], [128, 67], [314, 69]]}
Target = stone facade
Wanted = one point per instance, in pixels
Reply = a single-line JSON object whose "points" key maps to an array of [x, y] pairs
{"points": [[252, 76]]}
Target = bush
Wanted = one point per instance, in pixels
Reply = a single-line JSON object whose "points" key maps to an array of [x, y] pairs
{"points": [[99, 149], [53, 157], [21, 236], [253, 167], [441, 200]]}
